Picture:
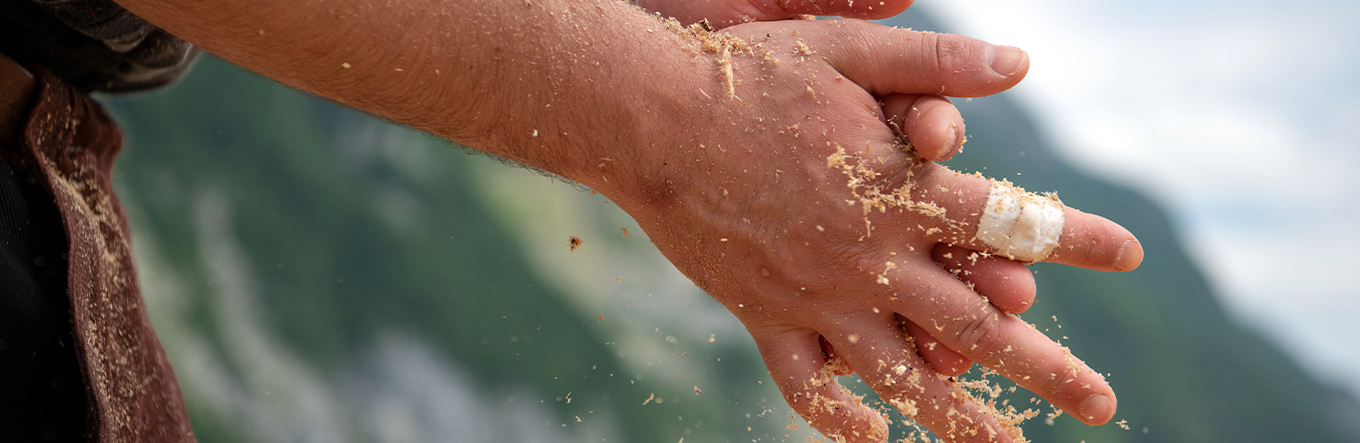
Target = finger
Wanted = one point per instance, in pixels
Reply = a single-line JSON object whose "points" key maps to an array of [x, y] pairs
{"points": [[930, 123], [799, 368], [724, 13], [834, 361], [944, 360], [838, 8], [1007, 284], [938, 356], [1000, 341], [1086, 240], [888, 363], [1094, 242], [885, 60]]}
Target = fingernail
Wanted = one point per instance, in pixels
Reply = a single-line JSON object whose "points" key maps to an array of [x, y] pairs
{"points": [[1097, 408], [1005, 60], [949, 141], [1130, 256]]}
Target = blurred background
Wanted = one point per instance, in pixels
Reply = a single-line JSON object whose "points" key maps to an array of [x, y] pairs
{"points": [[1235, 116], [320, 276]]}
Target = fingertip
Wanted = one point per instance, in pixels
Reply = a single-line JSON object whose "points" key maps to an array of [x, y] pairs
{"points": [[1097, 409], [930, 123], [1007, 61], [950, 144], [949, 138], [955, 142], [1094, 242], [1130, 256], [1006, 284], [1019, 298]]}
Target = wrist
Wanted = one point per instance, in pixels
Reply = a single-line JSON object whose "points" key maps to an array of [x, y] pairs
{"points": [[603, 109]]}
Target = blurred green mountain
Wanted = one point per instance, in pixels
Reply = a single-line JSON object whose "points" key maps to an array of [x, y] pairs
{"points": [[317, 275]]}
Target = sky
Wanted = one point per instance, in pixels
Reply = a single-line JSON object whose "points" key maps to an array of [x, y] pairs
{"points": [[1239, 116]]}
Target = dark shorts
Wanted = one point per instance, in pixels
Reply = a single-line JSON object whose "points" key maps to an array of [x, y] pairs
{"points": [[42, 393]]}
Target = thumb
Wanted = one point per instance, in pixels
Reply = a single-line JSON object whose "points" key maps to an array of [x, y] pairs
{"points": [[885, 60]]}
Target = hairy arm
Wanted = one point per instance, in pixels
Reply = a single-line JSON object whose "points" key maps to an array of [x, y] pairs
{"points": [[731, 149], [486, 74]]}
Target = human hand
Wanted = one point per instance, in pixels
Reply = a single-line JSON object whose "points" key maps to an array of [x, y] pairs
{"points": [[734, 184], [720, 149], [724, 13], [929, 123]]}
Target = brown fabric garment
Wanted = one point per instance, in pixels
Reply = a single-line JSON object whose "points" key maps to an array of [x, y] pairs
{"points": [[69, 143]]}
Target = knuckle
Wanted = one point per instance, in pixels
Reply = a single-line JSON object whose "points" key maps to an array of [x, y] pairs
{"points": [[857, 37], [1092, 245], [933, 45], [955, 54], [951, 50], [855, 257], [980, 335], [1055, 381]]}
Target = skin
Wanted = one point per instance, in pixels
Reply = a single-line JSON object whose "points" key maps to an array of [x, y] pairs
{"points": [[734, 189]]}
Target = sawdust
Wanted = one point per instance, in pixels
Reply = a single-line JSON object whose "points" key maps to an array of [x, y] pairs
{"points": [[819, 403], [873, 193], [702, 39], [982, 391]]}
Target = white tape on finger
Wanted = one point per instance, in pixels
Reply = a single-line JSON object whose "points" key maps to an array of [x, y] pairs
{"points": [[1020, 225]]}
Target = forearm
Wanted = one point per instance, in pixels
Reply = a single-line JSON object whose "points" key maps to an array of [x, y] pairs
{"points": [[733, 154], [513, 78]]}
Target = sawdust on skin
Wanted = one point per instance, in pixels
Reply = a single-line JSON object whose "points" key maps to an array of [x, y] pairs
{"points": [[700, 38], [870, 192], [829, 407], [873, 193]]}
